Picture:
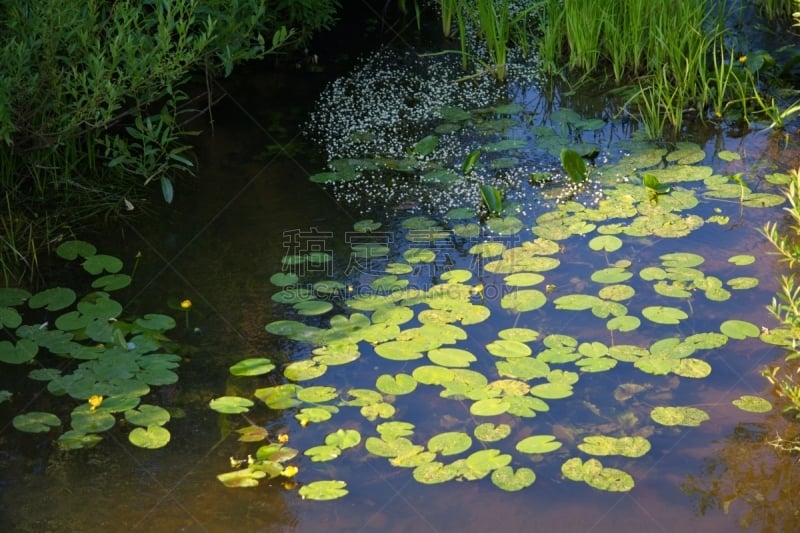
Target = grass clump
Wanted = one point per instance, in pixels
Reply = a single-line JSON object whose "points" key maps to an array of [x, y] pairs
{"points": [[786, 308]]}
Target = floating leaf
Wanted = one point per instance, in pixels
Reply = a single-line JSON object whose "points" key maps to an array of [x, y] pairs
{"points": [[552, 391], [452, 357], [523, 300], [489, 407], [610, 479], [739, 329], [147, 415], [742, 260], [323, 490], [678, 416], [508, 479], [434, 472], [21, 352], [450, 443], [611, 275], [664, 315], [255, 366], [316, 394], [625, 446], [314, 414], [320, 454], [752, 404], [53, 299], [607, 243], [151, 437], [343, 438], [397, 385], [509, 349], [488, 432], [538, 444], [304, 370], [36, 422], [230, 405]]}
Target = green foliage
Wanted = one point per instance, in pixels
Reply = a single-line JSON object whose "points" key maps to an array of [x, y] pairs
{"points": [[112, 361], [91, 98]]}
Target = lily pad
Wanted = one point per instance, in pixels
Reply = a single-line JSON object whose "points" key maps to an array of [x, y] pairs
{"points": [[323, 490], [523, 300], [538, 444], [36, 422], [739, 329], [664, 315], [147, 415], [151, 437], [510, 480], [255, 366], [230, 405], [488, 432], [450, 443], [304, 370], [606, 243], [752, 404], [678, 416], [397, 385], [625, 446]]}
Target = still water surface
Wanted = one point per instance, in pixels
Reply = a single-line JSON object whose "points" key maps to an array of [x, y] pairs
{"points": [[220, 243]]}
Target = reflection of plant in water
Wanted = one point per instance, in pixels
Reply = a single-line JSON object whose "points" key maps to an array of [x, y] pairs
{"points": [[108, 364], [745, 476]]}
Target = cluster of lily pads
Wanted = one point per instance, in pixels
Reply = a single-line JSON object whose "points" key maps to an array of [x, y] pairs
{"points": [[419, 333], [83, 349]]}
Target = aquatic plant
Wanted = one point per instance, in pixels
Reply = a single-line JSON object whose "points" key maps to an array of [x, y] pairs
{"points": [[417, 330], [786, 306], [83, 349]]}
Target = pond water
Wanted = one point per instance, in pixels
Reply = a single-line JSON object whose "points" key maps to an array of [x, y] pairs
{"points": [[252, 207]]}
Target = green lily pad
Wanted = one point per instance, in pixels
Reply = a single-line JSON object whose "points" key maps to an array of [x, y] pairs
{"points": [[625, 446], [255, 366], [323, 490], [552, 391], [451, 357], [664, 315], [147, 415], [434, 472], [399, 350], [391, 430], [739, 329], [53, 299], [488, 432], [611, 480], [576, 302], [86, 421], [343, 438], [72, 249], [21, 352], [523, 300], [523, 368], [316, 394], [450, 443], [314, 414], [488, 249], [98, 263], [77, 440], [391, 446], [313, 307], [284, 279], [523, 279], [623, 323], [752, 404], [419, 255], [678, 416], [152, 437], [36, 422], [304, 370], [397, 385], [508, 349], [742, 260], [230, 405], [518, 334], [247, 477], [489, 407], [611, 275], [538, 444], [9, 318], [112, 282], [743, 283], [510, 480], [319, 454], [607, 243]]}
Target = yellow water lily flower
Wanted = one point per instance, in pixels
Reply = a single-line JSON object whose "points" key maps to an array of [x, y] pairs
{"points": [[95, 402], [186, 304], [290, 471], [283, 437]]}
